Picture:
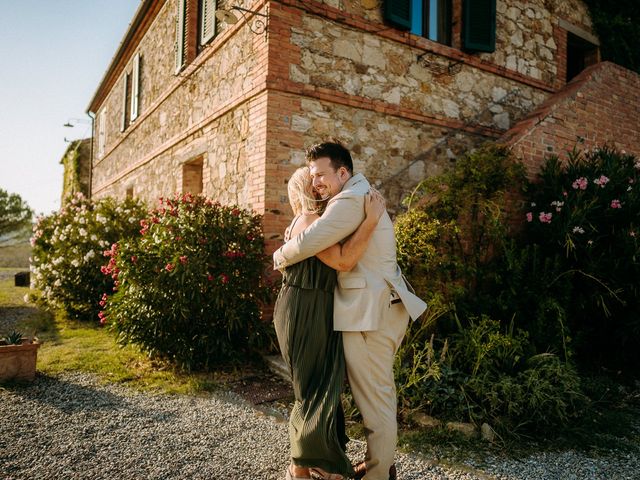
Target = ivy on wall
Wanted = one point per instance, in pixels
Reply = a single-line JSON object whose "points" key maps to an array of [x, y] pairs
{"points": [[617, 24]]}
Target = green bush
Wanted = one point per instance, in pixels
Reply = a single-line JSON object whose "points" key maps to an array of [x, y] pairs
{"points": [[188, 289], [586, 214], [68, 252]]}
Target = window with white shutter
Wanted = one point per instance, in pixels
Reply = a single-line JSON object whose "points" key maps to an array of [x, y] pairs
{"points": [[135, 87], [180, 35], [102, 131], [207, 20]]}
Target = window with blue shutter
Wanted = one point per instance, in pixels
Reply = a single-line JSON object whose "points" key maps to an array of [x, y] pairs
{"points": [[427, 18], [479, 25]]}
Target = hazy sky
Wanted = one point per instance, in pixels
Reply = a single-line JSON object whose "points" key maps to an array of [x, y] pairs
{"points": [[53, 53]]}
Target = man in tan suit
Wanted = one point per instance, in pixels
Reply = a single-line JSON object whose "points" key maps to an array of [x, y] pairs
{"points": [[372, 303]]}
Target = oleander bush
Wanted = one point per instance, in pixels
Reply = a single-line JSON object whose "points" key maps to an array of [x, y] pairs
{"points": [[585, 215], [188, 288], [68, 248]]}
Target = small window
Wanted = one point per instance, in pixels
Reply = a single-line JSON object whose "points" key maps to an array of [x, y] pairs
{"points": [[192, 176], [580, 54]]}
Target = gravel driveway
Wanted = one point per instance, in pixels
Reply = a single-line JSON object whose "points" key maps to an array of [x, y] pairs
{"points": [[71, 427]]}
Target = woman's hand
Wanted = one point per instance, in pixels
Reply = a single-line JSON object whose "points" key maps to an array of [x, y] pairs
{"points": [[374, 205]]}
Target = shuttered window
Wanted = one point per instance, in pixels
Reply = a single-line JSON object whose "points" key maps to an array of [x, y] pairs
{"points": [[479, 25], [102, 132], [398, 13], [207, 20], [125, 101], [135, 87], [180, 51]]}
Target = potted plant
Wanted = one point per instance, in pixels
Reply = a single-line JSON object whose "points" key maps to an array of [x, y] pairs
{"points": [[18, 357]]}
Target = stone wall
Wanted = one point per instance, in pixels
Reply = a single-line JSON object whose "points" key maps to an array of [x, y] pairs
{"points": [[601, 105], [362, 64]]}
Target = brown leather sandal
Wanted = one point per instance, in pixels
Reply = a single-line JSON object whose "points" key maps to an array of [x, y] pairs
{"points": [[319, 474], [360, 470], [293, 473]]}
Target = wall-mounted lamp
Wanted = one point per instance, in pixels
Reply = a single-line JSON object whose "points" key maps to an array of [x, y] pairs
{"points": [[73, 121], [257, 26], [438, 65]]}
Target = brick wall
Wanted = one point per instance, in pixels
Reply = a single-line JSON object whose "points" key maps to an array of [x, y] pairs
{"points": [[601, 105]]}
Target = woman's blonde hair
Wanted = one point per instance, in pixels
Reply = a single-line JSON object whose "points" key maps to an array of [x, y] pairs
{"points": [[301, 195]]}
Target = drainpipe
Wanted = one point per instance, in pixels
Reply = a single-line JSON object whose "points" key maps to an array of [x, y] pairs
{"points": [[92, 118]]}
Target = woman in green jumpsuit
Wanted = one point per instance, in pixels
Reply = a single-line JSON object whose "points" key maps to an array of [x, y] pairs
{"points": [[313, 351]]}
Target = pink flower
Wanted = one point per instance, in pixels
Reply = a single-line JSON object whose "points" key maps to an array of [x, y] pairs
{"points": [[134, 259], [235, 212], [103, 317], [580, 183], [529, 216], [616, 204], [564, 193], [545, 217], [210, 277], [224, 279], [602, 181], [183, 259], [169, 267], [632, 233]]}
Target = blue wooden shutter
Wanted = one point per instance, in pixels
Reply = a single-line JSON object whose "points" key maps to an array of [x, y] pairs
{"points": [[479, 25], [398, 13]]}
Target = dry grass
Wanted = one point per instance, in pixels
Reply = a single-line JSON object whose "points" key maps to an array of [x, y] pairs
{"points": [[15, 256]]}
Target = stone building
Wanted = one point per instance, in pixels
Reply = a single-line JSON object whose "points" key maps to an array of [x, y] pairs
{"points": [[227, 107], [76, 163]]}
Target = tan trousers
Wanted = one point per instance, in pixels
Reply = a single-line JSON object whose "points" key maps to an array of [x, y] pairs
{"points": [[369, 357]]}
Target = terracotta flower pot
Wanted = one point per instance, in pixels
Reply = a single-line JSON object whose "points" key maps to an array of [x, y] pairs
{"points": [[18, 362]]}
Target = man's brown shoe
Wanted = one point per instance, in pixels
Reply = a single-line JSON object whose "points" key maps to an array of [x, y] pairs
{"points": [[360, 470]]}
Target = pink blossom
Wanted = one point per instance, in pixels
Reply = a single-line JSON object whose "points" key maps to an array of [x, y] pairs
{"points": [[210, 277], [169, 267], [580, 183], [183, 259], [224, 279], [564, 193], [632, 233], [235, 212], [103, 317], [602, 181], [545, 217], [134, 259], [529, 216], [616, 204]]}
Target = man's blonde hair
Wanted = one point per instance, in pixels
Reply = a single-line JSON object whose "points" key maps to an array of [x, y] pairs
{"points": [[301, 195]]}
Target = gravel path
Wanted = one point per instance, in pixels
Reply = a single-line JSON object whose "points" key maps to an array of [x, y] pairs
{"points": [[71, 427]]}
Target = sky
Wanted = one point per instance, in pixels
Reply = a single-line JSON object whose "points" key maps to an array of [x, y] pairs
{"points": [[53, 54]]}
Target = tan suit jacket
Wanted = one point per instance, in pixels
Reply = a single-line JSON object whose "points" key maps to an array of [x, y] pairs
{"points": [[363, 296]]}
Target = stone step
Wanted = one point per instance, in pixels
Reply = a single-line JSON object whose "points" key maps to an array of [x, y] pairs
{"points": [[276, 365]]}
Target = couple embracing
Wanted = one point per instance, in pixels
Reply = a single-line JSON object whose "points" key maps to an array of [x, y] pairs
{"points": [[343, 308]]}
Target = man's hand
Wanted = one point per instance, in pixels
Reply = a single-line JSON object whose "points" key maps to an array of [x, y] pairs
{"points": [[374, 205]]}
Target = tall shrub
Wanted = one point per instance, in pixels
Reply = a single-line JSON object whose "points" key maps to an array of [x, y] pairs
{"points": [[188, 288], [68, 250]]}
